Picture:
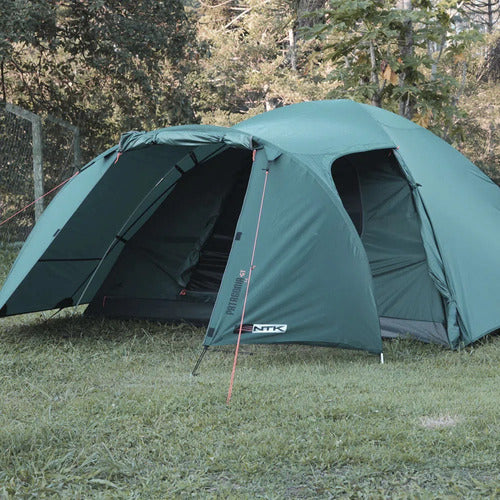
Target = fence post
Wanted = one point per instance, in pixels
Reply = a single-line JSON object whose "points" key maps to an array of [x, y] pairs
{"points": [[36, 127], [36, 131], [37, 149]]}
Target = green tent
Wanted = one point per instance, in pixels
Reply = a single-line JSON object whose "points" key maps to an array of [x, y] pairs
{"points": [[356, 223]]}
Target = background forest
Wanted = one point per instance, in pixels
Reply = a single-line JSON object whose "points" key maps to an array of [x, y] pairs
{"points": [[116, 65]]}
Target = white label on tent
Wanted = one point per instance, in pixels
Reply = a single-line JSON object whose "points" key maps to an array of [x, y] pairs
{"points": [[269, 328]]}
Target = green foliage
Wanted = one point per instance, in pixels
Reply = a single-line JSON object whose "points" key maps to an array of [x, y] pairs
{"points": [[246, 66], [480, 128], [110, 66], [106, 66], [392, 57], [29, 22]]}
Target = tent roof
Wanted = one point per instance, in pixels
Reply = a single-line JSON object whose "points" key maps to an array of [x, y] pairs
{"points": [[185, 135], [319, 128], [331, 128]]}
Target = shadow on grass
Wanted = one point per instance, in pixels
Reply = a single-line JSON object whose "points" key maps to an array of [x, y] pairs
{"points": [[75, 329]]}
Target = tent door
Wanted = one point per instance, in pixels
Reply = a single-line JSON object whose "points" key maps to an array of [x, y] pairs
{"points": [[171, 269], [379, 200], [206, 275]]}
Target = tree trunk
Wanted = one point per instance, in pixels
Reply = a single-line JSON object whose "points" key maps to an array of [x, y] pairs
{"points": [[2, 77], [268, 103], [305, 9], [490, 16], [406, 45], [377, 96], [293, 49], [305, 15]]}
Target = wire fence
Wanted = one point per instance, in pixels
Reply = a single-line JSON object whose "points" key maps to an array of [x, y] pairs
{"points": [[16, 176], [36, 154]]}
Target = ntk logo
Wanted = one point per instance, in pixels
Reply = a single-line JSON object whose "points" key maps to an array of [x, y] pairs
{"points": [[257, 328]]}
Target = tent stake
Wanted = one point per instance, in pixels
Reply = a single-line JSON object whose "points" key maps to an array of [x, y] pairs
{"points": [[198, 362], [381, 358]]}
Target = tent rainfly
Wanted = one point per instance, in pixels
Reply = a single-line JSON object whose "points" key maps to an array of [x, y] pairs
{"points": [[359, 223]]}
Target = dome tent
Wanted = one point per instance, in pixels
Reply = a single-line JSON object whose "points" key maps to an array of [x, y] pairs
{"points": [[360, 223]]}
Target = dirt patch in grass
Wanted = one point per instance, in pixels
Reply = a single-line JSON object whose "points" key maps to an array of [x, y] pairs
{"points": [[439, 422]]}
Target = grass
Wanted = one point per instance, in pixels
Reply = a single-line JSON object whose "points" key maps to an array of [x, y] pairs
{"points": [[108, 409], [93, 408]]}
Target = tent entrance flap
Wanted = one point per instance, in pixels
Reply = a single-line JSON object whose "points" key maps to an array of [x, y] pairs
{"points": [[378, 198], [173, 266]]}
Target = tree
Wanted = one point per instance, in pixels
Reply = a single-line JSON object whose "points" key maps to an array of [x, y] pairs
{"points": [[107, 66], [388, 52], [484, 12], [23, 23], [254, 58]]}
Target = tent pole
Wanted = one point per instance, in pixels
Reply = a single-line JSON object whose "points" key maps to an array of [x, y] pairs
{"points": [[198, 362]]}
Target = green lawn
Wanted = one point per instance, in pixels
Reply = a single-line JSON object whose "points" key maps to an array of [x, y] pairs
{"points": [[108, 409]]}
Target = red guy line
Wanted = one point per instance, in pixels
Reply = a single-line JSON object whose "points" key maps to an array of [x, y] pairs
{"points": [[39, 198], [246, 292]]}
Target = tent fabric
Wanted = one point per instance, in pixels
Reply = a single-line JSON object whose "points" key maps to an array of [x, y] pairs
{"points": [[426, 331], [61, 253], [391, 237], [322, 300], [158, 260], [163, 225]]}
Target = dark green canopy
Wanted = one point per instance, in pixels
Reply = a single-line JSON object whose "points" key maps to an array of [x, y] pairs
{"points": [[359, 222]]}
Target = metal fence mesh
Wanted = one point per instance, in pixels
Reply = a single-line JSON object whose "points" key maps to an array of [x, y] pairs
{"points": [[58, 156], [16, 177], [56, 148]]}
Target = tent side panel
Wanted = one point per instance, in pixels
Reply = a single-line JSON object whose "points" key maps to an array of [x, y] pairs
{"points": [[463, 208], [311, 272], [45, 235]]}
